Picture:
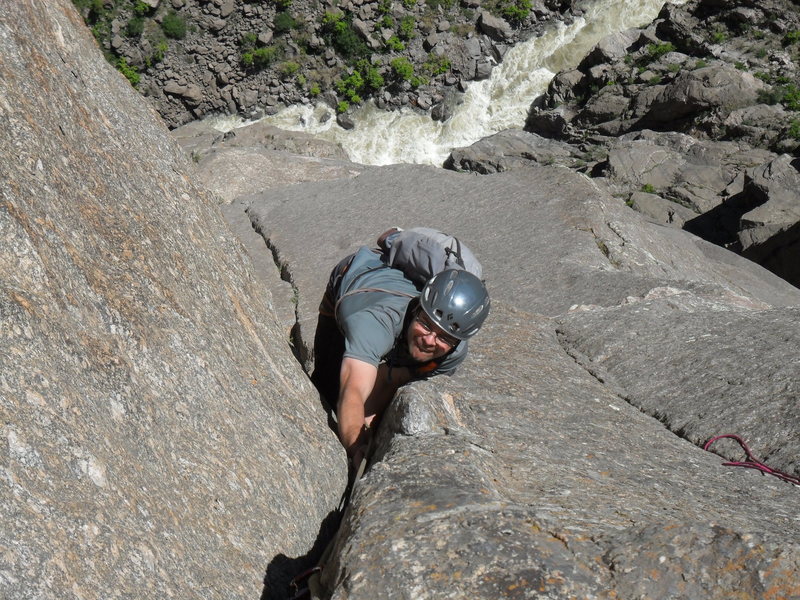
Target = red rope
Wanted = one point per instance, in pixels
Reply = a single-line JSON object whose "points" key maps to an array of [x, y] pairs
{"points": [[751, 462]]}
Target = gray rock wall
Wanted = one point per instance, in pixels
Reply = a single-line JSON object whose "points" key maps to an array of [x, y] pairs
{"points": [[158, 437], [563, 460]]}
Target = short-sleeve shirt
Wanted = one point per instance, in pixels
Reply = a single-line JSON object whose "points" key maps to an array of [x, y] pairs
{"points": [[373, 322]]}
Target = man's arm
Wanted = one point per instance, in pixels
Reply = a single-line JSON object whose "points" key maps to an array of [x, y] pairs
{"points": [[365, 392]]}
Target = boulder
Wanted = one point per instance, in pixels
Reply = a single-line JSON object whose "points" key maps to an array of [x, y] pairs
{"points": [[496, 28], [714, 87], [769, 234], [159, 438], [693, 171], [510, 149], [661, 210]]}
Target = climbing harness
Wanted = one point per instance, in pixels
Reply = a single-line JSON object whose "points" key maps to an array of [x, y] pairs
{"points": [[751, 462]]}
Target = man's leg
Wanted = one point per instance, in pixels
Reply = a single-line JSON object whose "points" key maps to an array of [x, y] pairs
{"points": [[328, 353]]}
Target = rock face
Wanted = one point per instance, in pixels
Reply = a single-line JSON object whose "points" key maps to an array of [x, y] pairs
{"points": [[251, 159], [158, 437], [563, 459]]}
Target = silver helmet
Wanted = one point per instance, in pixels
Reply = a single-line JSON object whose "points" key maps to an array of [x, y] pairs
{"points": [[457, 301]]}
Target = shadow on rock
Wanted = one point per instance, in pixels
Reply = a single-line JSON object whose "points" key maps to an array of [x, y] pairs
{"points": [[282, 569]]}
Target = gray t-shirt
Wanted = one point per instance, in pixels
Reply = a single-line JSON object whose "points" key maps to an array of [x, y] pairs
{"points": [[372, 322]]}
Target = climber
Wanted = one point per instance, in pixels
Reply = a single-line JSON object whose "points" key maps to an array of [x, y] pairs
{"points": [[377, 331]]}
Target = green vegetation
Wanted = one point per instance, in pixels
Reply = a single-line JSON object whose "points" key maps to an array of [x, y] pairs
{"points": [[337, 31], [173, 26], [260, 58], [406, 31], [284, 22], [141, 9], [656, 51], [363, 79], [249, 40], [435, 4], [790, 38], [315, 90], [288, 69], [135, 27], [394, 44], [436, 65], [129, 71], [648, 188], [515, 11], [718, 37], [403, 70], [700, 64], [794, 130], [283, 5]]}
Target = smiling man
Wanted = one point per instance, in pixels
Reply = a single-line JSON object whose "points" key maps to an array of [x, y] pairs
{"points": [[377, 331]]}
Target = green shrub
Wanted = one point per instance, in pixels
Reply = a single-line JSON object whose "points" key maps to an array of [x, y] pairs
{"points": [[794, 130], [407, 29], [402, 68], [249, 40], [409, 4], [315, 89], [394, 43], [288, 68], [284, 22], [791, 97], [648, 188], [740, 65], [364, 79], [129, 71], [719, 37], [350, 86], [674, 67], [436, 65], [787, 95], [516, 11], [283, 4], [656, 51], [135, 27], [260, 58], [338, 32], [404, 71], [700, 64], [790, 38], [158, 54], [435, 4], [343, 106], [174, 26], [141, 9]]}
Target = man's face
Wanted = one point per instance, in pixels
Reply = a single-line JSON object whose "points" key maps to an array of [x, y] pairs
{"points": [[426, 340]]}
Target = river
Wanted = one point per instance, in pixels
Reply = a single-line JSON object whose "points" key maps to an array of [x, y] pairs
{"points": [[501, 102]]}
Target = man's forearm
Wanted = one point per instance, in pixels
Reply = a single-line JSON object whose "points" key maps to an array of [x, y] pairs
{"points": [[350, 414]]}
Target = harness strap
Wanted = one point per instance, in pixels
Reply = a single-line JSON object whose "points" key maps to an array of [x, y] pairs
{"points": [[362, 290], [750, 461]]}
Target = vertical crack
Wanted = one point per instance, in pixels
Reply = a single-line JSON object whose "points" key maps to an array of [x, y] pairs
{"points": [[299, 348]]}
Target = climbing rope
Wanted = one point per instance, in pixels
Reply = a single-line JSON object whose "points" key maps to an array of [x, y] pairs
{"points": [[751, 462]]}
